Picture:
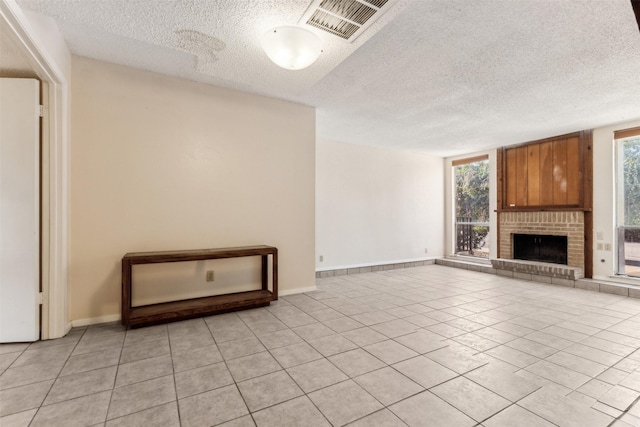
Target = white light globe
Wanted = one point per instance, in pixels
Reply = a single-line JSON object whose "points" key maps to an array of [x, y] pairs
{"points": [[293, 48]]}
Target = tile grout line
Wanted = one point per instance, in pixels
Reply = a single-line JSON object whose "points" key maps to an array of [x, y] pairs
{"points": [[503, 303], [57, 376], [173, 373]]}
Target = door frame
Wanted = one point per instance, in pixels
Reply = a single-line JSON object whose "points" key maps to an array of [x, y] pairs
{"points": [[55, 155]]}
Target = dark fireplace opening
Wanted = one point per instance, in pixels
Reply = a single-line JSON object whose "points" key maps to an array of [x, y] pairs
{"points": [[539, 247]]}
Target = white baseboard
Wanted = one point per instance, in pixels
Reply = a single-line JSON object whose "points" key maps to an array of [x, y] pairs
{"points": [[296, 291], [95, 320]]}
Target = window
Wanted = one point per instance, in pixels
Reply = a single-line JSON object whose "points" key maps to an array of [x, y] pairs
{"points": [[471, 178], [628, 201]]}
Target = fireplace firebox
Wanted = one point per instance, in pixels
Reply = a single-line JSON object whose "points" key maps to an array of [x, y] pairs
{"points": [[540, 247]]}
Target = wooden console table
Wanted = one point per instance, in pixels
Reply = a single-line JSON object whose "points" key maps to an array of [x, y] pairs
{"points": [[153, 314]]}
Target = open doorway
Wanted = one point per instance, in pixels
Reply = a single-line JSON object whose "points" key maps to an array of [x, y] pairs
{"points": [[29, 45], [471, 195]]}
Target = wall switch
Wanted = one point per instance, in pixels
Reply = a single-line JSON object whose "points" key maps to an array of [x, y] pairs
{"points": [[607, 247], [426, 251], [321, 258], [600, 235], [600, 247], [210, 276]]}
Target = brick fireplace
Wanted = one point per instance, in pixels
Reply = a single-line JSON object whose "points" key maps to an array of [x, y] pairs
{"points": [[557, 223], [551, 223], [545, 194]]}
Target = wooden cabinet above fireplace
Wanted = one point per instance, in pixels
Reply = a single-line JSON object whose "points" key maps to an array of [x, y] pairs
{"points": [[550, 174]]}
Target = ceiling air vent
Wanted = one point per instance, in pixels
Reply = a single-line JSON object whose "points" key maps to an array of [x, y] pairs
{"points": [[349, 9], [377, 3], [344, 18], [332, 24]]}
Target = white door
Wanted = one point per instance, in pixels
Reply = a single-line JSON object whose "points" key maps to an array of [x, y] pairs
{"points": [[19, 210]]}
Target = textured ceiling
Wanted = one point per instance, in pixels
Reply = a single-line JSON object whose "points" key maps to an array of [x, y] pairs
{"points": [[446, 77]]}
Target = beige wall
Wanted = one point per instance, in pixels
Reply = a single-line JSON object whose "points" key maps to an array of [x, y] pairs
{"points": [[159, 163], [377, 206]]}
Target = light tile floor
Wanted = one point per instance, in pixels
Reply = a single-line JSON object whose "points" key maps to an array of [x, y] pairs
{"points": [[424, 346]]}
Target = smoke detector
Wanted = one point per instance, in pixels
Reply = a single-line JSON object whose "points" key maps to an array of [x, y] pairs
{"points": [[345, 19]]}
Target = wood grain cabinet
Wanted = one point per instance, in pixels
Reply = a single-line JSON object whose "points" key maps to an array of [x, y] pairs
{"points": [[550, 173]]}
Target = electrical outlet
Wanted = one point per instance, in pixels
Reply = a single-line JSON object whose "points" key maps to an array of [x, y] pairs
{"points": [[600, 235], [321, 258], [600, 246], [210, 276], [426, 251], [607, 247]]}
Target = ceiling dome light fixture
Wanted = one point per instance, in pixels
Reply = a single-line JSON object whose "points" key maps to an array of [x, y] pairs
{"points": [[290, 47]]}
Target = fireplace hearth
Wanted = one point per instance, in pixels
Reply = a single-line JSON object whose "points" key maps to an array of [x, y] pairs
{"points": [[540, 247]]}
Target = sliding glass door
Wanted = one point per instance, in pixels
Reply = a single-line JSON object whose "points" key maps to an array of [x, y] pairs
{"points": [[628, 202], [471, 178]]}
